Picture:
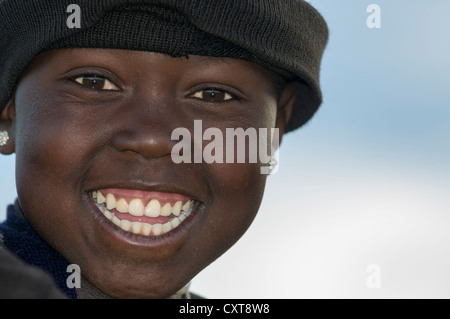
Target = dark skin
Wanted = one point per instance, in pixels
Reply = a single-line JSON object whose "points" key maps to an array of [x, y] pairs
{"points": [[74, 133]]}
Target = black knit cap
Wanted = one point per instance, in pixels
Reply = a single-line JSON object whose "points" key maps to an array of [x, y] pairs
{"points": [[285, 36]]}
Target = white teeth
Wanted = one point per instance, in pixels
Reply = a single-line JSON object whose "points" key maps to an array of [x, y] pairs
{"points": [[186, 206], [110, 201], [108, 214], [115, 220], [136, 227], [167, 227], [122, 205], [136, 207], [157, 229], [175, 222], [125, 224], [153, 208], [146, 229], [166, 210], [100, 198], [176, 209]]}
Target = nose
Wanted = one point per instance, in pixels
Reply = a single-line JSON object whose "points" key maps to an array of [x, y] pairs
{"points": [[145, 127]]}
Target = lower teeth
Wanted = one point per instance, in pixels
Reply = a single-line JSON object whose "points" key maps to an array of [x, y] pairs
{"points": [[146, 229]]}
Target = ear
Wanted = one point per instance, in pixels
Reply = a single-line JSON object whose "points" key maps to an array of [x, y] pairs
{"points": [[286, 104], [6, 124]]}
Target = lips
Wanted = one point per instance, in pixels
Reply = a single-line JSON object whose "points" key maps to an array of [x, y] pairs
{"points": [[143, 213]]}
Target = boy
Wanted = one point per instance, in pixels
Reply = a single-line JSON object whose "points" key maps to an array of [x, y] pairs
{"points": [[89, 108]]}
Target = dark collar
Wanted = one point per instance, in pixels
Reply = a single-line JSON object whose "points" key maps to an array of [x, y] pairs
{"points": [[21, 239]]}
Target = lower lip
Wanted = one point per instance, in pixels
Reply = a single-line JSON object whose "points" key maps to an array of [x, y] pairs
{"points": [[116, 233]]}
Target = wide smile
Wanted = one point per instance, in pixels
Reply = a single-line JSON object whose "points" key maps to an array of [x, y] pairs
{"points": [[149, 214]]}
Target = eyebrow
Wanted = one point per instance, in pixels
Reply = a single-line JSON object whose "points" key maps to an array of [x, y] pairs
{"points": [[209, 59]]}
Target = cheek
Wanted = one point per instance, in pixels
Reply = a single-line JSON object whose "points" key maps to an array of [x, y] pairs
{"points": [[53, 136], [47, 147], [49, 153], [236, 196], [236, 188], [238, 191]]}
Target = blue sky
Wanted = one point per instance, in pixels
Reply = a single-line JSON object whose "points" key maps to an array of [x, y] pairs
{"points": [[366, 181]]}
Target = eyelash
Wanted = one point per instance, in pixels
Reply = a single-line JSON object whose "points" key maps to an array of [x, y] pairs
{"points": [[94, 77], [227, 97]]}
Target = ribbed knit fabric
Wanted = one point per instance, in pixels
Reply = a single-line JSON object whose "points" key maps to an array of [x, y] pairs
{"points": [[22, 240], [168, 32], [287, 36]]}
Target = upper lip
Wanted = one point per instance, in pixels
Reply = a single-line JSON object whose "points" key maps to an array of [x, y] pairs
{"points": [[148, 176], [148, 187]]}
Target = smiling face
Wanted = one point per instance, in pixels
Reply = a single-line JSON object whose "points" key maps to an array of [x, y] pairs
{"points": [[92, 134]]}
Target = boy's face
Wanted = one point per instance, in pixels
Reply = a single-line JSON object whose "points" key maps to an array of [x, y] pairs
{"points": [[90, 120]]}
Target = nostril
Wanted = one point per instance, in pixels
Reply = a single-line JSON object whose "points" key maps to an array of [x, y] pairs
{"points": [[147, 142], [143, 128]]}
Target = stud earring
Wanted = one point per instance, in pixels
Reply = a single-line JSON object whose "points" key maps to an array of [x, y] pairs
{"points": [[272, 164], [4, 137], [270, 167]]}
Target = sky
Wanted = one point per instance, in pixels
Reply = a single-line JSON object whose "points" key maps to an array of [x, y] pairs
{"points": [[359, 206]]}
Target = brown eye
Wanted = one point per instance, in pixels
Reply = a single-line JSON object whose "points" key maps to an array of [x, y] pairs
{"points": [[213, 95], [96, 83]]}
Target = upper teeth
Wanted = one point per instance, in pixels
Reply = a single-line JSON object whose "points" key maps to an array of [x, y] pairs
{"points": [[136, 207]]}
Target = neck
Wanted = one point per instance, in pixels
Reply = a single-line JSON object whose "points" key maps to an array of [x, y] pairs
{"points": [[89, 291]]}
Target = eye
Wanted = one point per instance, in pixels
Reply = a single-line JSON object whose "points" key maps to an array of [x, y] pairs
{"points": [[96, 82], [213, 95]]}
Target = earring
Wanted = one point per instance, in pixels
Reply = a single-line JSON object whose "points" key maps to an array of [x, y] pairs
{"points": [[4, 137], [272, 164], [270, 167]]}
